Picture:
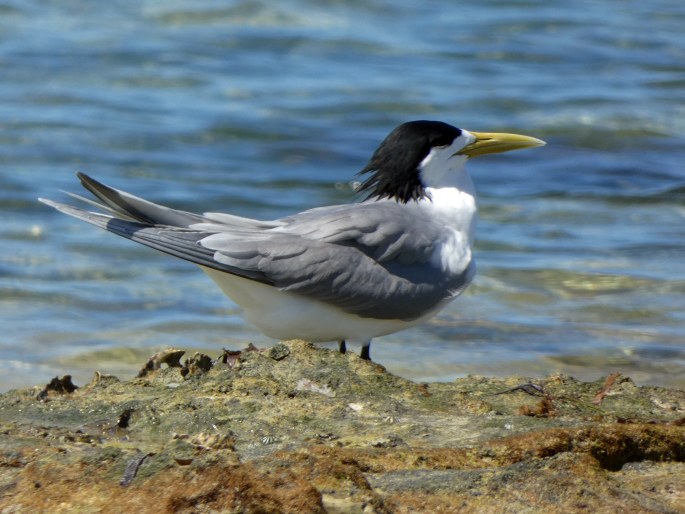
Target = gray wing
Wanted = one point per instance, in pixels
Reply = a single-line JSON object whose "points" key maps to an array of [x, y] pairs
{"points": [[384, 230], [370, 259]]}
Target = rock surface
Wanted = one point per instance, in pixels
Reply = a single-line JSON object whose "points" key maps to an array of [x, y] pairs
{"points": [[299, 429]]}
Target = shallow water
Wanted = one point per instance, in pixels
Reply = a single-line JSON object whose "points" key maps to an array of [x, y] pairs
{"points": [[263, 110]]}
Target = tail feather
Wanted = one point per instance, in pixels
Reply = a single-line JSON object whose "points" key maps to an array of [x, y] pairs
{"points": [[176, 233], [94, 218], [177, 241], [97, 205], [130, 207]]}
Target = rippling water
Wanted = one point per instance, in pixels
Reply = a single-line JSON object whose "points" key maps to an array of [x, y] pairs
{"points": [[263, 110]]}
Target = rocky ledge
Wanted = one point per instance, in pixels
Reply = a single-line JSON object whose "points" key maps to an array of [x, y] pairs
{"points": [[300, 429]]}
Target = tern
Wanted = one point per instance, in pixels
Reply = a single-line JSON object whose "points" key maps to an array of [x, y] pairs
{"points": [[342, 272]]}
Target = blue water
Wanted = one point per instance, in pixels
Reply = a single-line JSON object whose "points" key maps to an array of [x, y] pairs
{"points": [[267, 108]]}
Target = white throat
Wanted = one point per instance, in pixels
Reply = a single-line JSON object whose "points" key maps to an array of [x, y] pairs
{"points": [[449, 188], [451, 199]]}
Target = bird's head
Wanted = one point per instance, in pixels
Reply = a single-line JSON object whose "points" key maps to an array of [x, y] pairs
{"points": [[421, 154]]}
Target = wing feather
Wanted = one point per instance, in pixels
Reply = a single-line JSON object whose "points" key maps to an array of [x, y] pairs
{"points": [[371, 259]]}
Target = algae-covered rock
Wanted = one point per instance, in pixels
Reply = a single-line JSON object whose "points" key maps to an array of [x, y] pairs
{"points": [[300, 429]]}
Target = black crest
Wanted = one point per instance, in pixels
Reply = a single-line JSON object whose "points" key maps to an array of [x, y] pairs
{"points": [[394, 165]]}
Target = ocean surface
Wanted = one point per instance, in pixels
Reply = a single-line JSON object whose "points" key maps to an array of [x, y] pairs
{"points": [[263, 109]]}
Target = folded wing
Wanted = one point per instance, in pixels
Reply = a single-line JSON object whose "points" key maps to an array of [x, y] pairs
{"points": [[371, 259]]}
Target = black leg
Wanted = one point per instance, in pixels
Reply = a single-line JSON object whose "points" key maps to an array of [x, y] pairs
{"points": [[342, 347], [366, 351]]}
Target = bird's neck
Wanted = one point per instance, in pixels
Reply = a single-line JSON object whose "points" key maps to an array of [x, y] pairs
{"points": [[450, 194], [456, 207]]}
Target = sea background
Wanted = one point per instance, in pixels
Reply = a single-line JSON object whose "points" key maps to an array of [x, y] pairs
{"points": [[263, 109]]}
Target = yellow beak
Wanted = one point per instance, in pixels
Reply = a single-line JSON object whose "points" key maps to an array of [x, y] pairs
{"points": [[493, 142]]}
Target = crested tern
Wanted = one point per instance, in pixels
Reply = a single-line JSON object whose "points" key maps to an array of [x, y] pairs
{"points": [[342, 272]]}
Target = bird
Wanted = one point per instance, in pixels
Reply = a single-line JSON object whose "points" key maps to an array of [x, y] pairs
{"points": [[356, 271]]}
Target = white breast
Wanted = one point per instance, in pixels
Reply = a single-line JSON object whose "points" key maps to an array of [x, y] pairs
{"points": [[456, 209]]}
